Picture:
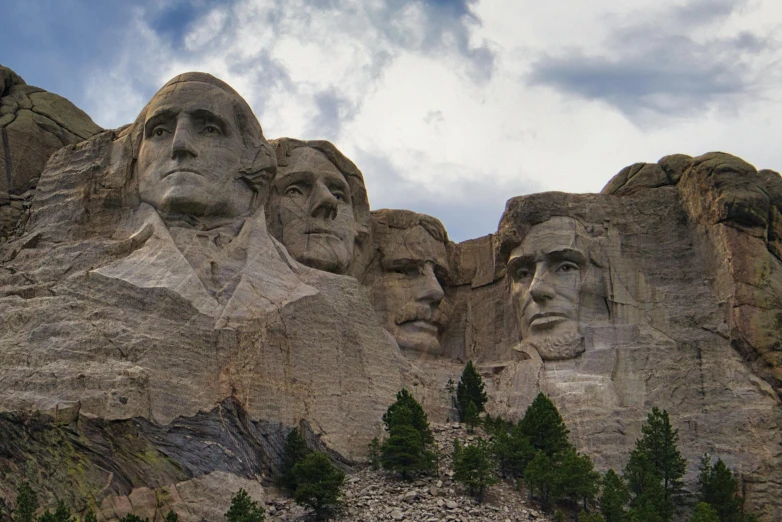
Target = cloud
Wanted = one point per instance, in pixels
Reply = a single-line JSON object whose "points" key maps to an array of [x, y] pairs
{"points": [[667, 62]]}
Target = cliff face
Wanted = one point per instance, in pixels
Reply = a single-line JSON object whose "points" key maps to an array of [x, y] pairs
{"points": [[167, 360]]}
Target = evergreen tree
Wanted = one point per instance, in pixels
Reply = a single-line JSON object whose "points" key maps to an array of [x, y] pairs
{"points": [[26, 504], [295, 451], [576, 478], [90, 517], [171, 517], [470, 389], [594, 516], [133, 518], [544, 427], [374, 453], [404, 452], [704, 513], [512, 450], [61, 514], [540, 476], [470, 417], [244, 509], [656, 461], [415, 416], [614, 497], [718, 488], [319, 483], [473, 467]]}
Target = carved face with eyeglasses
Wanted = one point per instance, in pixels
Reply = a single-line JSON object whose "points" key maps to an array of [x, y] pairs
{"points": [[545, 274], [315, 211]]}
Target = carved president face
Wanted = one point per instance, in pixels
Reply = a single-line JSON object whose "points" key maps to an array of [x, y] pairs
{"points": [[315, 211], [191, 152], [407, 295], [546, 273]]}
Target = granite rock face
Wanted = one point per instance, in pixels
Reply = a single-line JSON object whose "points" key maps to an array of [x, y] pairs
{"points": [[33, 125], [161, 330]]}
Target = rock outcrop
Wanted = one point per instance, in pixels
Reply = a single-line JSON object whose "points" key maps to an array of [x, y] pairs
{"points": [[33, 125], [158, 334]]}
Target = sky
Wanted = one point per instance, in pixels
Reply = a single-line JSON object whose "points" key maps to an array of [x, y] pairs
{"points": [[448, 107]]}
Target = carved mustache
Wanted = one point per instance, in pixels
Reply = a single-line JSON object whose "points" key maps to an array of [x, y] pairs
{"points": [[421, 312]]}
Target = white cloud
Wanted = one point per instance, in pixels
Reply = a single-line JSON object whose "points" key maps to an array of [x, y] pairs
{"points": [[437, 109]]}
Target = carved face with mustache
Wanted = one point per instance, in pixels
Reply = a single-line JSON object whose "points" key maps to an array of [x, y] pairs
{"points": [[408, 294]]}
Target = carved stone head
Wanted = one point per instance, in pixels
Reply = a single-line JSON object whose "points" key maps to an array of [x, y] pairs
{"points": [[318, 206], [200, 151], [407, 289], [555, 276]]}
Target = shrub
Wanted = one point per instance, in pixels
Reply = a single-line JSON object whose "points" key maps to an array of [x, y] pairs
{"points": [[319, 483], [61, 514], [295, 451], [26, 504], [473, 467]]}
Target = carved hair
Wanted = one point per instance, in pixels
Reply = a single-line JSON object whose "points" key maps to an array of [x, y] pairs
{"points": [[258, 164], [387, 218]]}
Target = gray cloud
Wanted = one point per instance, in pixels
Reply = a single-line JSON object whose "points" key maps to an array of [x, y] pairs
{"points": [[469, 209], [654, 66]]}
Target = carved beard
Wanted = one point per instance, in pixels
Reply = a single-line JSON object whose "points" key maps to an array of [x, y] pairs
{"points": [[567, 345]]}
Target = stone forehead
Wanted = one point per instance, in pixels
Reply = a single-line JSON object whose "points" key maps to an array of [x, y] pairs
{"points": [[307, 159], [554, 234], [194, 95], [413, 243]]}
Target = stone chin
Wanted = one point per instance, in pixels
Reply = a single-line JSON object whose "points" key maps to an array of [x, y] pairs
{"points": [[325, 252], [418, 337], [558, 347]]}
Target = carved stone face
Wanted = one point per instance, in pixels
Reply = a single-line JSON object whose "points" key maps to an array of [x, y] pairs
{"points": [[190, 153], [546, 273], [315, 211], [407, 295]]}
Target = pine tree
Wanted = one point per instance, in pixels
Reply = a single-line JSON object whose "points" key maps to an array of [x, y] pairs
{"points": [[471, 418], [244, 509], [614, 497], [130, 517], [470, 389], [512, 450], [543, 426], [295, 451], [654, 462], [90, 517], [26, 504], [540, 476], [319, 483], [719, 489], [704, 513], [61, 514], [576, 478], [374, 453], [473, 467], [404, 452], [415, 416], [594, 516], [171, 517]]}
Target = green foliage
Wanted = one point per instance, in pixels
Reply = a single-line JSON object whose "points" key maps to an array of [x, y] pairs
{"points": [[704, 513], [656, 464], [319, 483], [61, 514], [414, 416], [90, 517], [26, 504], [511, 448], [651, 505], [473, 467], [576, 478], [590, 517], [133, 518], [374, 453], [295, 451], [171, 517], [404, 452], [543, 426], [470, 389], [614, 497], [496, 425], [470, 417], [559, 516], [244, 509], [718, 489], [540, 476]]}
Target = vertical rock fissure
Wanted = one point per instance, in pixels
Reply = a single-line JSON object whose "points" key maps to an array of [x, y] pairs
{"points": [[7, 157]]}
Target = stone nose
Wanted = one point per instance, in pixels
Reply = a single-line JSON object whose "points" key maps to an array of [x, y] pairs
{"points": [[323, 203], [183, 144], [430, 290], [541, 289]]}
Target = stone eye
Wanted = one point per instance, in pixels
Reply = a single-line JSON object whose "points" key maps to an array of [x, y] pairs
{"points": [[567, 267], [522, 273], [211, 129], [158, 132], [293, 191]]}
